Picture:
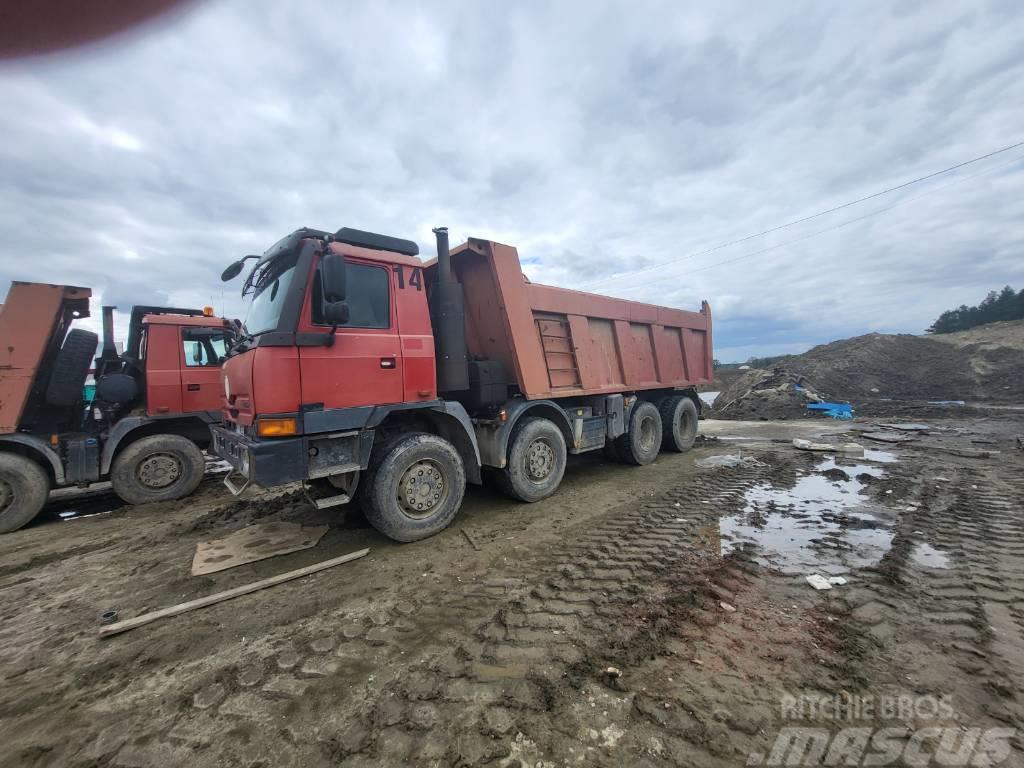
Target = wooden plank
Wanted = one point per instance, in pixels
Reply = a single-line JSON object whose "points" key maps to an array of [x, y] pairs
{"points": [[219, 597]]}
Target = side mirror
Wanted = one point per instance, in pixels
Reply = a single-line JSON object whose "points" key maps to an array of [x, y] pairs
{"points": [[332, 282], [232, 271], [332, 277], [335, 312]]}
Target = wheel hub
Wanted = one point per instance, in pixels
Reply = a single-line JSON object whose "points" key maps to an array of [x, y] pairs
{"points": [[540, 460], [647, 434], [421, 489], [159, 470], [6, 495]]}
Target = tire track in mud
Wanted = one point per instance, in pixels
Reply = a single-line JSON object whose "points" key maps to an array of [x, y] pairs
{"points": [[958, 622], [457, 674]]}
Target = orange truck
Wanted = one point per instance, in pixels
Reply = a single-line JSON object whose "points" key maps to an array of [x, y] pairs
{"points": [[360, 367], [143, 428]]}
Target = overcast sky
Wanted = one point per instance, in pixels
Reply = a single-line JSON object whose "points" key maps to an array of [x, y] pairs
{"points": [[599, 138]]}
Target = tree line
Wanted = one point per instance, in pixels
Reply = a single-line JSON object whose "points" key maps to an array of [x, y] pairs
{"points": [[1006, 304]]}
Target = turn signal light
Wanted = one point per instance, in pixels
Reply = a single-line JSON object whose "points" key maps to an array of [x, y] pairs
{"points": [[277, 427]]}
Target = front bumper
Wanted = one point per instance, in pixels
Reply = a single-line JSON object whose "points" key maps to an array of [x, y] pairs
{"points": [[265, 462]]}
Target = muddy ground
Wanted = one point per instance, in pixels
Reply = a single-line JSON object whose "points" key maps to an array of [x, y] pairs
{"points": [[494, 647]]}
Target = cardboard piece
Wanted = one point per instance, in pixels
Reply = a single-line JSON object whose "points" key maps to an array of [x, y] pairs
{"points": [[253, 543]]}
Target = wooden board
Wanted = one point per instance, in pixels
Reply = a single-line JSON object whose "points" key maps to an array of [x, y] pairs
{"points": [[219, 597]]}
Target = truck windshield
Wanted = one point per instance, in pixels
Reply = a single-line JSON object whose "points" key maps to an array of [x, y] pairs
{"points": [[270, 286]]}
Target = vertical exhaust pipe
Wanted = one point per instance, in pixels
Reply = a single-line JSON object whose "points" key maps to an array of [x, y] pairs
{"points": [[108, 358], [109, 350], [448, 317]]}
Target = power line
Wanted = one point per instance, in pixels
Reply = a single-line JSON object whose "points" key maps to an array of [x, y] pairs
{"points": [[812, 216], [830, 228]]}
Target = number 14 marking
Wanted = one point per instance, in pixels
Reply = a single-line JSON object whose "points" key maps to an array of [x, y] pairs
{"points": [[415, 277]]}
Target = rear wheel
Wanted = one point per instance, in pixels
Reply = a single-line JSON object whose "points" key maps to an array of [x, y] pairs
{"points": [[157, 468], [414, 486], [536, 460], [641, 442], [24, 487], [678, 423]]}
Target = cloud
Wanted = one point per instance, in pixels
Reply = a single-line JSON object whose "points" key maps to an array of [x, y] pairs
{"points": [[598, 141]]}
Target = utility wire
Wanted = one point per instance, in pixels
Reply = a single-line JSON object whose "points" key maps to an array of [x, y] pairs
{"points": [[809, 218], [832, 227]]}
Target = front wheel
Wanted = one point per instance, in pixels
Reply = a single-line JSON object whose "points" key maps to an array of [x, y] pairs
{"points": [[24, 487], [157, 468], [536, 461], [415, 487]]}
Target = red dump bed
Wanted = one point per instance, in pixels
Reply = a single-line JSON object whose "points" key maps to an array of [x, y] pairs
{"points": [[29, 317], [561, 343]]}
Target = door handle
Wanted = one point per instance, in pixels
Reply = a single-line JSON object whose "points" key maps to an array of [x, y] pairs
{"points": [[387, 362], [193, 387]]}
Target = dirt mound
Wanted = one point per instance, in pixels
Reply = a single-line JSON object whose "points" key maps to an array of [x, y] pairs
{"points": [[984, 363], [979, 365], [761, 394]]}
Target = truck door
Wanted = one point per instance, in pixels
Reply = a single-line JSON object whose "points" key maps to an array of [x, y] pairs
{"points": [[161, 349], [202, 353], [364, 365]]}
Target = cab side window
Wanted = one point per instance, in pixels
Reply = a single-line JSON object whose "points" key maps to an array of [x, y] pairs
{"points": [[367, 295], [203, 347]]}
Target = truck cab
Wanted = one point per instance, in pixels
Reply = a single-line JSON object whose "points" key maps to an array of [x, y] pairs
{"points": [[361, 367], [143, 423]]}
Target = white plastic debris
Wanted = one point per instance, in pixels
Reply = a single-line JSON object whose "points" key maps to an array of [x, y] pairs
{"points": [[837, 581], [818, 582], [727, 608], [852, 449]]}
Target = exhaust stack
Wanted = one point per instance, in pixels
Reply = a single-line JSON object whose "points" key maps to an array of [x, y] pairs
{"points": [[108, 353], [448, 317]]}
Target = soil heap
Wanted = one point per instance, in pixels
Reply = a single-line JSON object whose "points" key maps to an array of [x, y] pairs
{"points": [[983, 364]]}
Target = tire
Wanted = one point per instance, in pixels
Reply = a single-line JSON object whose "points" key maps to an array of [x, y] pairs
{"points": [[403, 474], [157, 468], [640, 443], [678, 423], [71, 368], [536, 460], [24, 486]]}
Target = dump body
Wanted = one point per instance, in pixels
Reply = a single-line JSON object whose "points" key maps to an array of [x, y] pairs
{"points": [[33, 320], [565, 343]]}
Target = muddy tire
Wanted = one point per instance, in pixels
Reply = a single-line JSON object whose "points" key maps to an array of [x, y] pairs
{"points": [[157, 468], [536, 460], [24, 486], [678, 423], [71, 368], [414, 486], [642, 441]]}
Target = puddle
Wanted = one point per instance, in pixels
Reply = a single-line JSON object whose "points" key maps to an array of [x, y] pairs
{"points": [[929, 556], [822, 524], [708, 397]]}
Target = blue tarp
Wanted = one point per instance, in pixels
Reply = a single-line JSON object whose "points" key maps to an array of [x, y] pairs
{"points": [[842, 411]]}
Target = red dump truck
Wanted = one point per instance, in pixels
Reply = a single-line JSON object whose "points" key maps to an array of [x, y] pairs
{"points": [[144, 426], [362, 366]]}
